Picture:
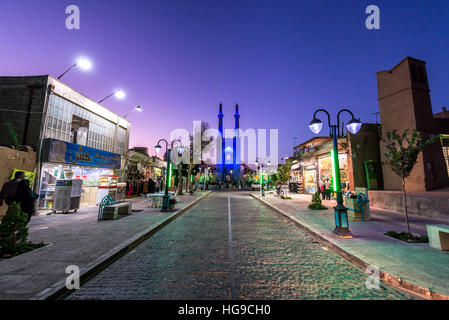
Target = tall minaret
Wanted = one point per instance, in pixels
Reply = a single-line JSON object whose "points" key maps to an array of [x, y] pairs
{"points": [[234, 142], [222, 155]]}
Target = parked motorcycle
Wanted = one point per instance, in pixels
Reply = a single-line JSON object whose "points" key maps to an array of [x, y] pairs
{"points": [[192, 189], [279, 191]]}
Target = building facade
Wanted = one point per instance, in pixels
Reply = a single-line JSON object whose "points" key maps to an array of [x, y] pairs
{"points": [[358, 156], [71, 134], [404, 103]]}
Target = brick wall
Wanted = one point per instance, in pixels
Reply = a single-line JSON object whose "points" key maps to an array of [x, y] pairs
{"points": [[21, 107]]}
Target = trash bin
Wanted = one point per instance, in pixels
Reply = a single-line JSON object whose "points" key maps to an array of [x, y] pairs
{"points": [[358, 206], [171, 204]]}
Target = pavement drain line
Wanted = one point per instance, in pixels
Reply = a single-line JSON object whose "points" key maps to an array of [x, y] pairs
{"points": [[58, 291], [386, 277]]}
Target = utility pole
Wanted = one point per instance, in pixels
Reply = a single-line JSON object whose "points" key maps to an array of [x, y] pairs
{"points": [[376, 114]]}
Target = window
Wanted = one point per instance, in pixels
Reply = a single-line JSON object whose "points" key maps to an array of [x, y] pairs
{"points": [[414, 74], [445, 147], [64, 117], [422, 76]]}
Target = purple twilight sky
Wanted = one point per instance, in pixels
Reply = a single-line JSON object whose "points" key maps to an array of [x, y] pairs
{"points": [[280, 60]]}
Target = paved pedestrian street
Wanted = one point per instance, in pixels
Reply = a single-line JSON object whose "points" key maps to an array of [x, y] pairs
{"points": [[231, 246]]}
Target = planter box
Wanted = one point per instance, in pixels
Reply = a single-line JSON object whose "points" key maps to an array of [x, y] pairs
{"points": [[116, 210], [438, 236]]}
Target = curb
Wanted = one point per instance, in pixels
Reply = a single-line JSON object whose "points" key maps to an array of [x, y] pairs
{"points": [[386, 277], [58, 291]]}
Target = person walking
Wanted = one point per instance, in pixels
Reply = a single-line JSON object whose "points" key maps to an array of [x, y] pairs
{"points": [[18, 190], [322, 190], [328, 189], [9, 188], [151, 186]]}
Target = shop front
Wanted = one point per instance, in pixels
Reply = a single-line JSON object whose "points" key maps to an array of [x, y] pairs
{"points": [[68, 161], [325, 170], [144, 173], [296, 178], [310, 179]]}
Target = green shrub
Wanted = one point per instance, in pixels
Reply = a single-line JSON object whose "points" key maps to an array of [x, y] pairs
{"points": [[14, 233], [407, 237], [13, 230], [316, 202]]}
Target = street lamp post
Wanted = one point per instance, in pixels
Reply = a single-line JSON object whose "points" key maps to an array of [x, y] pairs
{"points": [[206, 173], [262, 165], [138, 108], [158, 148], [340, 211], [82, 63], [119, 94]]}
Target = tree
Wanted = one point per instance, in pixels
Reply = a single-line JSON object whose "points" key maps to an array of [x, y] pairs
{"points": [[401, 155], [204, 127], [283, 173], [316, 202], [13, 230]]}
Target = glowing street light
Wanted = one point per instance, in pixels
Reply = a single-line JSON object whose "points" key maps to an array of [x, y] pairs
{"points": [[353, 126], [316, 125], [119, 94], [138, 108], [158, 148], [82, 63]]}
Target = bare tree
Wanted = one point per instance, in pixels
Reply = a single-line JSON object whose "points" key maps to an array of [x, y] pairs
{"points": [[402, 154], [204, 127]]}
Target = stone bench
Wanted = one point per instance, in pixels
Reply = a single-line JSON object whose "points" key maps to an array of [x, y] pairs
{"points": [[113, 211], [438, 236]]}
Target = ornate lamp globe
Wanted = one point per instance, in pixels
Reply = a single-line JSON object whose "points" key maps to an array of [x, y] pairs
{"points": [[354, 126], [158, 149], [315, 125]]}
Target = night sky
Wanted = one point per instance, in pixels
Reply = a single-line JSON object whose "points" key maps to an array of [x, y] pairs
{"points": [[280, 60]]}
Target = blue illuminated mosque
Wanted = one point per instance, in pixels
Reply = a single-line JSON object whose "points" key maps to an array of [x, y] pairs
{"points": [[229, 166]]}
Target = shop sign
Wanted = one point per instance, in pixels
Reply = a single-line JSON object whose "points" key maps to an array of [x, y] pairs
{"points": [[75, 154], [157, 171], [28, 175], [295, 166]]}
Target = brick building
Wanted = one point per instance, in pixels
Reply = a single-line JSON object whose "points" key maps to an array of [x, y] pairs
{"points": [[70, 133], [404, 103]]}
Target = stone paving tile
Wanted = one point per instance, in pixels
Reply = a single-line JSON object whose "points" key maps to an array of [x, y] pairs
{"points": [[76, 238], [273, 259], [416, 263]]}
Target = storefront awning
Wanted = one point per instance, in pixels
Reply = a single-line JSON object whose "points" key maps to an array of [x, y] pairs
{"points": [[138, 157]]}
